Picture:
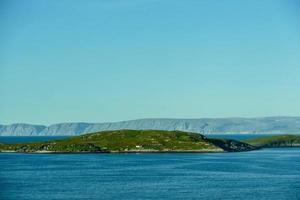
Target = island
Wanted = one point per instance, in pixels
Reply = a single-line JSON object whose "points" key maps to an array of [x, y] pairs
{"points": [[275, 141], [132, 141]]}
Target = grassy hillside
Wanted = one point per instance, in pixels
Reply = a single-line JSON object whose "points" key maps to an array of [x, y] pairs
{"points": [[132, 141], [276, 141]]}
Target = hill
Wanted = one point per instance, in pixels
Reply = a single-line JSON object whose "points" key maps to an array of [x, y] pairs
{"points": [[133, 141], [272, 125], [275, 141]]}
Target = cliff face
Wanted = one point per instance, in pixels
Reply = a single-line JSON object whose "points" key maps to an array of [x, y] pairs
{"points": [[274, 125], [21, 130]]}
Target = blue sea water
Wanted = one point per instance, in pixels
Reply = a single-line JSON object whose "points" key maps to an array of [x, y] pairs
{"points": [[24, 139], [264, 174]]}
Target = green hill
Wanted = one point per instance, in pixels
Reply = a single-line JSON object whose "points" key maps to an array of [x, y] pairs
{"points": [[275, 141], [132, 141]]}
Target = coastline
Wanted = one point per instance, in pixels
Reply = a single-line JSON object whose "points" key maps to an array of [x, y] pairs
{"points": [[118, 152]]}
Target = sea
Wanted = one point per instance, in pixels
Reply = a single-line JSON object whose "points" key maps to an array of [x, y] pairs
{"points": [[267, 174]]}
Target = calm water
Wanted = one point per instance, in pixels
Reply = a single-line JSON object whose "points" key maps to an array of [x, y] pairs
{"points": [[265, 174], [21, 139]]}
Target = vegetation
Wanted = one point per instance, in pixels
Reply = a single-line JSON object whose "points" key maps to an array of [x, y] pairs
{"points": [[132, 141], [275, 141]]}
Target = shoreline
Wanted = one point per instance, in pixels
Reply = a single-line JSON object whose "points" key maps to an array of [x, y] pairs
{"points": [[144, 152], [118, 152]]}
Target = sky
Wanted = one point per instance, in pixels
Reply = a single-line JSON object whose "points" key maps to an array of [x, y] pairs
{"points": [[114, 60]]}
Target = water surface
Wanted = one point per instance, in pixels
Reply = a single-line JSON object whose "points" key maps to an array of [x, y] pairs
{"points": [[265, 174], [24, 139]]}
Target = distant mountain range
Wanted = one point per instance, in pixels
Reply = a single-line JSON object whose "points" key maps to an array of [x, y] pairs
{"points": [[264, 125]]}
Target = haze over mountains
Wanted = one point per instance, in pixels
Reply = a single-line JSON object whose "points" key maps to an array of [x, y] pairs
{"points": [[272, 125]]}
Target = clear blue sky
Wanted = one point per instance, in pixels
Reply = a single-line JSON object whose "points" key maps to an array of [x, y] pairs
{"points": [[111, 60]]}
